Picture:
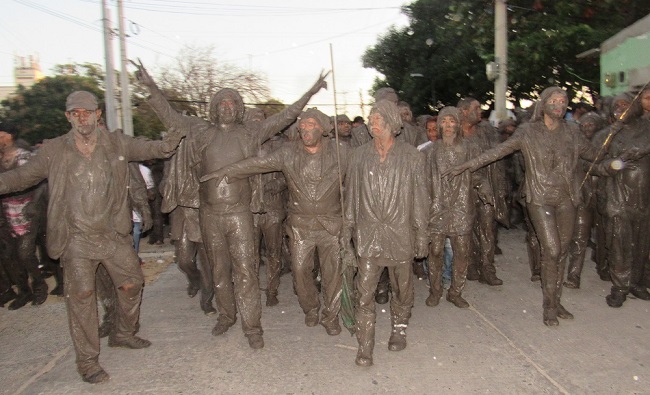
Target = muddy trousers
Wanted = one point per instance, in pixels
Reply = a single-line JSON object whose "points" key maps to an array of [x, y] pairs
{"points": [[401, 302], [460, 245], [553, 225], [532, 246], [228, 241], [628, 250], [269, 226], [81, 301], [192, 261], [304, 244], [483, 239], [602, 249], [578, 246]]}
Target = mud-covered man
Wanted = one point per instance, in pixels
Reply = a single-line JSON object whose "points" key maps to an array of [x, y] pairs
{"points": [[89, 221]]}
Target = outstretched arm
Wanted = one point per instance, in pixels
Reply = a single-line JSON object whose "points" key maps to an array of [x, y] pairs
{"points": [[168, 116], [246, 168], [277, 122]]}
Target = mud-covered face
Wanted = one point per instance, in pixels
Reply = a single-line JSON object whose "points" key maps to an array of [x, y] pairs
{"points": [[555, 106], [378, 126], [344, 128], [449, 126], [311, 132], [227, 110], [83, 121], [432, 130], [473, 113], [406, 114], [588, 128], [619, 107]]}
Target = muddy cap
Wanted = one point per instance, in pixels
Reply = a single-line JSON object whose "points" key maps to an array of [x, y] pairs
{"points": [[81, 99]]}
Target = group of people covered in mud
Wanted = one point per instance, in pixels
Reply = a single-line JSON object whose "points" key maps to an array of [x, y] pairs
{"points": [[365, 209]]}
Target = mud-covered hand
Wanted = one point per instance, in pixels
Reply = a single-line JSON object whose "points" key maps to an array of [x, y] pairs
{"points": [[172, 138], [142, 75], [348, 256], [456, 170], [218, 176], [422, 248], [320, 83], [147, 220]]}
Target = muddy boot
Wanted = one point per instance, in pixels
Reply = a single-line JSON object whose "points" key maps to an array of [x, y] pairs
{"points": [[489, 277], [311, 318], [39, 292], [256, 341], [563, 313], [58, 276], [332, 328], [192, 290], [572, 283], [7, 296], [433, 300], [21, 300], [366, 338], [550, 317], [132, 342], [457, 300], [397, 341], [418, 270], [97, 377], [616, 298], [221, 327], [640, 292]]}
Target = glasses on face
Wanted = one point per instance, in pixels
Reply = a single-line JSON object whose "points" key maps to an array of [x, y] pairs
{"points": [[80, 113]]}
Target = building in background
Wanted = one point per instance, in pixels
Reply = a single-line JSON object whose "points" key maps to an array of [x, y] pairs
{"points": [[27, 72]]}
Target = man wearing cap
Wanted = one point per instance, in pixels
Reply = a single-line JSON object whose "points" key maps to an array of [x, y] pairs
{"points": [[386, 215], [314, 211], [89, 221]]}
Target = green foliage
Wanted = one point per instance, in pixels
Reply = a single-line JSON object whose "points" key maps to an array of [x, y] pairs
{"points": [[38, 111], [271, 107], [448, 43]]}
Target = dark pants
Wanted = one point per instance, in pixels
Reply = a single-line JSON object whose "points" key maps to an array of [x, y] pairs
{"points": [[628, 250], [460, 245], [269, 226], [193, 261], [578, 246]]}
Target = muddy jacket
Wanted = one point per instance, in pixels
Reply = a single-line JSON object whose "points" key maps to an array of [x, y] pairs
{"points": [[306, 208], [387, 204], [50, 162], [453, 208], [551, 159]]}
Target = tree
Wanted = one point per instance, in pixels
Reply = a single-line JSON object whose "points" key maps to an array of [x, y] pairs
{"points": [[271, 107], [441, 55], [197, 75], [38, 111]]}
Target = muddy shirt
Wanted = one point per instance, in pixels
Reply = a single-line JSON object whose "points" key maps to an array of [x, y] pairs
{"points": [[386, 204]]}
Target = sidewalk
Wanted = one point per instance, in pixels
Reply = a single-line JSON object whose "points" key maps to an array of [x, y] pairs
{"points": [[499, 345]]}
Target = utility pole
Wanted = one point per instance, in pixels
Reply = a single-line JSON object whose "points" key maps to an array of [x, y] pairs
{"points": [[109, 79], [501, 58], [127, 117]]}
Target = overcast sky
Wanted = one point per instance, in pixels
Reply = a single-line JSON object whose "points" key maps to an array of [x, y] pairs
{"points": [[287, 41]]}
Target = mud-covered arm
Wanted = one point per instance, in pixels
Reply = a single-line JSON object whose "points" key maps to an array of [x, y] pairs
{"points": [[29, 174], [421, 206], [274, 124], [509, 146], [140, 149], [248, 167]]}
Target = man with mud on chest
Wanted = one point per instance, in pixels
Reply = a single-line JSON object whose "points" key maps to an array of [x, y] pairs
{"points": [[225, 217]]}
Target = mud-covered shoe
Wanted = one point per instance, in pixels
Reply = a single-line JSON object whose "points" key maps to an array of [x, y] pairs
{"points": [[432, 300], [489, 278], [535, 277], [397, 341], [550, 317], [458, 301], [332, 328], [363, 360], [256, 341], [570, 283], [209, 310], [472, 273], [640, 292], [7, 297], [21, 300], [96, 378], [311, 318], [381, 297], [221, 328], [563, 313], [132, 342], [615, 299]]}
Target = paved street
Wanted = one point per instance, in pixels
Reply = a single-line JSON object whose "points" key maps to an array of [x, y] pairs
{"points": [[499, 345]]}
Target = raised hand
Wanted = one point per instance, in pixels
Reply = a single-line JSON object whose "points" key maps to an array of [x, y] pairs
{"points": [[320, 83], [141, 74], [172, 138]]}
